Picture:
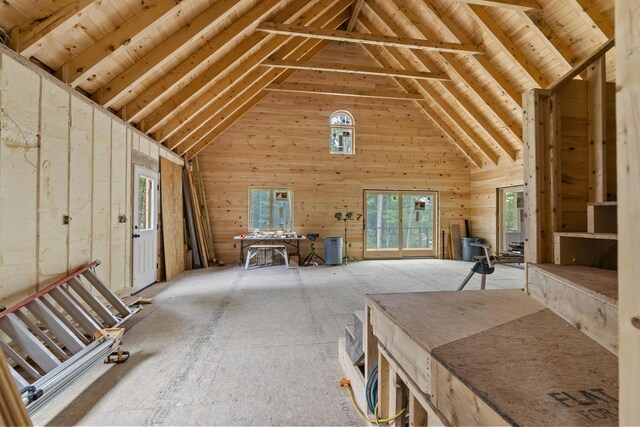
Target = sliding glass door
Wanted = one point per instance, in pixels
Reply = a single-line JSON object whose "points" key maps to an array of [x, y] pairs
{"points": [[400, 224]]}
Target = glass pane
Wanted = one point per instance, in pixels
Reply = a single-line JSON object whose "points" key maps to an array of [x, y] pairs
{"points": [[417, 222], [145, 204], [260, 207], [341, 119], [341, 140], [282, 209], [382, 221], [511, 214]]}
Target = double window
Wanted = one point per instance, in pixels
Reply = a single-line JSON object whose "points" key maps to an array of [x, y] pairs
{"points": [[270, 209], [342, 127]]}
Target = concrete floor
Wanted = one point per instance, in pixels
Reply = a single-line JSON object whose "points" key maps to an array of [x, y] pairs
{"points": [[234, 347]]}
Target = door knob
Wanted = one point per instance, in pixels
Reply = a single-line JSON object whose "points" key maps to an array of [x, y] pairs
{"points": [[135, 236]]}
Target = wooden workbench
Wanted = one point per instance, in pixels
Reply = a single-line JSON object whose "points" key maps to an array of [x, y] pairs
{"points": [[489, 357]]}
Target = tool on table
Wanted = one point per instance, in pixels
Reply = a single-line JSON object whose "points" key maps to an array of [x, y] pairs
{"points": [[485, 264]]}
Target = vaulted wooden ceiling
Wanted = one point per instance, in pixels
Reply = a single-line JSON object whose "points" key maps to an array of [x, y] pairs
{"points": [[183, 71]]}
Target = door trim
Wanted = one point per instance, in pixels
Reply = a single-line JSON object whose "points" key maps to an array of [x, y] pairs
{"points": [[156, 206]]}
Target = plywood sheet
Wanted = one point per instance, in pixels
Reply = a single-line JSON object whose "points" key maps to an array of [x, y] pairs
{"points": [[537, 370], [172, 217], [433, 319]]}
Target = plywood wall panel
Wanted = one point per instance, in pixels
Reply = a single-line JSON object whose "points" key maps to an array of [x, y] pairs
{"points": [[54, 183], [19, 126], [172, 217], [80, 183]]}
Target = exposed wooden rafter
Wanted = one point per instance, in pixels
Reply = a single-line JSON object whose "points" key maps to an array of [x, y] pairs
{"points": [[28, 37], [591, 14], [363, 38], [74, 70], [354, 69], [357, 7], [503, 40], [453, 29], [178, 121], [236, 114], [506, 4], [193, 122], [459, 71], [111, 92], [468, 111]]}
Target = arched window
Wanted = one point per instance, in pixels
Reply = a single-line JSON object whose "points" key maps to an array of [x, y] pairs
{"points": [[342, 127]]}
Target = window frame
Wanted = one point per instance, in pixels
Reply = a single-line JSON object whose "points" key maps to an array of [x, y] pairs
{"points": [[272, 191], [351, 127]]}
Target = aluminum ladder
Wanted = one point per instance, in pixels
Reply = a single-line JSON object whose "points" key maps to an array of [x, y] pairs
{"points": [[61, 331]]}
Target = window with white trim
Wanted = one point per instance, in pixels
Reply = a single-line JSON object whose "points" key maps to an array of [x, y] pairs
{"points": [[270, 209], [342, 129]]}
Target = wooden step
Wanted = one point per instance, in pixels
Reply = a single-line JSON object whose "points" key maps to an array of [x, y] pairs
{"points": [[353, 373], [598, 250], [586, 297], [602, 217], [496, 357]]}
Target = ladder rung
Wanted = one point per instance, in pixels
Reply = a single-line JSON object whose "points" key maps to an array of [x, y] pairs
{"points": [[30, 370], [101, 310], [76, 311], [55, 325], [66, 321], [41, 334], [107, 293], [19, 333], [20, 382]]}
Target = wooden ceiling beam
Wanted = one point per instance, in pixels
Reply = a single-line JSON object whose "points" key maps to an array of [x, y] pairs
{"points": [[433, 94], [504, 42], [236, 114], [357, 7], [77, 68], [353, 69], [342, 91], [429, 112], [461, 105], [28, 37], [191, 121], [449, 26], [363, 38], [520, 5], [198, 93], [121, 84], [590, 14], [459, 71]]}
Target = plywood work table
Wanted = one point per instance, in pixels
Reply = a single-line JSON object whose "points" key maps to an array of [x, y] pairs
{"points": [[491, 357]]}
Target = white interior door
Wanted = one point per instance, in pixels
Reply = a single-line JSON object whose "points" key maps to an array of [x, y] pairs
{"points": [[145, 227]]}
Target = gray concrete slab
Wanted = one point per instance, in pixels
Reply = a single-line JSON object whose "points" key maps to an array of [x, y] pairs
{"points": [[227, 346]]}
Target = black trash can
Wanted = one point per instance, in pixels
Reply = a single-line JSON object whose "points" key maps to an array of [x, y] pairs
{"points": [[468, 251]]}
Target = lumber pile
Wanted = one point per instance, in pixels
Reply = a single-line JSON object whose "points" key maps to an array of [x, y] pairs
{"points": [[199, 251]]}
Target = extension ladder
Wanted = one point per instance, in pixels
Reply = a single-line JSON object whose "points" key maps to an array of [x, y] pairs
{"points": [[58, 333]]}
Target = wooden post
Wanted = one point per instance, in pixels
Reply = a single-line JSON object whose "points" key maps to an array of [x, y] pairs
{"points": [[384, 385], [418, 417], [628, 161], [597, 110]]}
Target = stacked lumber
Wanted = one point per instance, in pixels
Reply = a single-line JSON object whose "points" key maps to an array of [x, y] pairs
{"points": [[200, 250]]}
